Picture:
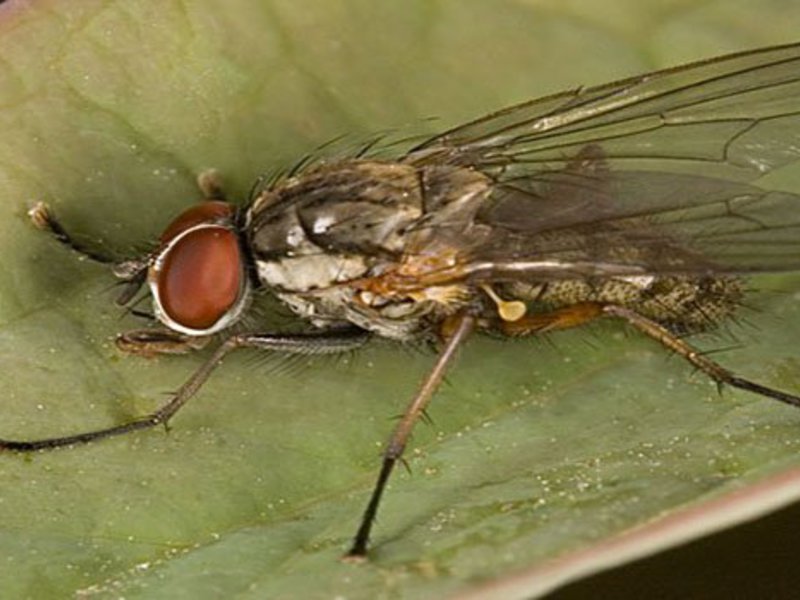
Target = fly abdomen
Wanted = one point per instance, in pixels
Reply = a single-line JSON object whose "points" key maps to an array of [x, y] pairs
{"points": [[683, 304]]}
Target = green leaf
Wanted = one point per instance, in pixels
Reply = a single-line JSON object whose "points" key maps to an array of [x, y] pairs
{"points": [[538, 449]]}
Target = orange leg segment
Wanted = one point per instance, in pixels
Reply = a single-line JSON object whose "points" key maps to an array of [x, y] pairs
{"points": [[562, 318]]}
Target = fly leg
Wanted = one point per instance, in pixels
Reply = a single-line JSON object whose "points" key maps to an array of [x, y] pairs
{"points": [[307, 344], [132, 272], [43, 218], [41, 215], [715, 371], [562, 318], [151, 342], [210, 184], [457, 332], [578, 314]]}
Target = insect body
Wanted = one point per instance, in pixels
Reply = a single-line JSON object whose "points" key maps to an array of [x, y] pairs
{"points": [[355, 241], [628, 200]]}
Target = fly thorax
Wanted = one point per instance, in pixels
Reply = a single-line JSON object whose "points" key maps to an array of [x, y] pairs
{"points": [[310, 236]]}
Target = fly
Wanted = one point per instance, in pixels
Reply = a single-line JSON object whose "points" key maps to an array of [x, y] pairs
{"points": [[628, 201]]}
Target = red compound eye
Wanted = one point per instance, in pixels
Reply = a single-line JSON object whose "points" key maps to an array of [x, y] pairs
{"points": [[207, 212], [200, 277]]}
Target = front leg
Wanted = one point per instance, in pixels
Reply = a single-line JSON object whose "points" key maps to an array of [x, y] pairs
{"points": [[41, 215], [149, 343], [43, 218], [326, 342]]}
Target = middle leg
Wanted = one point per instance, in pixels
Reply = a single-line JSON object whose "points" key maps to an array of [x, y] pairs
{"points": [[457, 332]]}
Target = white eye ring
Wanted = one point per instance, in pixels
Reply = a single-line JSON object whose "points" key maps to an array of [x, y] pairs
{"points": [[228, 318]]}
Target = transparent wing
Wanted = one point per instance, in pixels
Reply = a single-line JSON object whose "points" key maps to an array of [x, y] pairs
{"points": [[626, 223], [642, 176], [736, 117]]}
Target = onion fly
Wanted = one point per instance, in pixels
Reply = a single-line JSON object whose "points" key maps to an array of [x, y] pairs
{"points": [[630, 201]]}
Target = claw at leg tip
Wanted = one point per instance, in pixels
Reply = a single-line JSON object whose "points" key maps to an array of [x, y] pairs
{"points": [[355, 556], [39, 215]]}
